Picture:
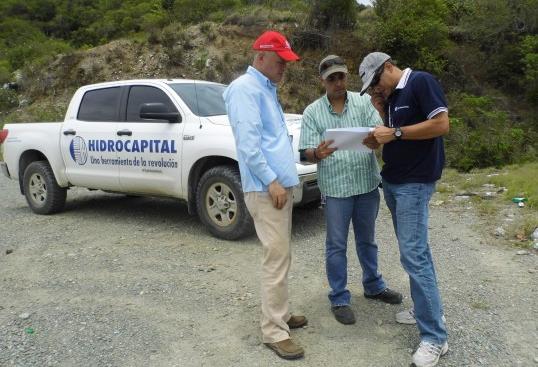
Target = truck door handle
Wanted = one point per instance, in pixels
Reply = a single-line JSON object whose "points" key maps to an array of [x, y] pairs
{"points": [[125, 132], [70, 132]]}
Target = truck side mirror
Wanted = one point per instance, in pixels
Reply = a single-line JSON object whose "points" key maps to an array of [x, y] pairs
{"points": [[158, 111]]}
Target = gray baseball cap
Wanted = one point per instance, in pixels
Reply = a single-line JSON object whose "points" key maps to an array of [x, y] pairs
{"points": [[332, 64], [369, 66]]}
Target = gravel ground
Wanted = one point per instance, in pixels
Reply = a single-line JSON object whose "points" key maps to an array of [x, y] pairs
{"points": [[120, 281]]}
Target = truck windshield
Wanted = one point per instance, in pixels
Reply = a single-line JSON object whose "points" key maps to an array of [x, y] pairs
{"points": [[203, 99]]}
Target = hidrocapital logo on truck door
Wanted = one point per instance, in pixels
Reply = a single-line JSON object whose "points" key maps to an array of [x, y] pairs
{"points": [[78, 150], [133, 146]]}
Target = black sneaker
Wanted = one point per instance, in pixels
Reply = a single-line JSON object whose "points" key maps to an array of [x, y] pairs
{"points": [[387, 296], [343, 314]]}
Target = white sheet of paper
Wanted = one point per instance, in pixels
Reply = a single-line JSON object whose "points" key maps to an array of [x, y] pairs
{"points": [[349, 138]]}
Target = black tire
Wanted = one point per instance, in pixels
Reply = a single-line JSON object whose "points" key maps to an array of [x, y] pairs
{"points": [[220, 204], [41, 190]]}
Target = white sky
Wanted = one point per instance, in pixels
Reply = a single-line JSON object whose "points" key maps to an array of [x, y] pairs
{"points": [[365, 2]]}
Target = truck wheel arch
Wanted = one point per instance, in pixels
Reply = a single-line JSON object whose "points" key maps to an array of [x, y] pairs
{"points": [[200, 167], [26, 158]]}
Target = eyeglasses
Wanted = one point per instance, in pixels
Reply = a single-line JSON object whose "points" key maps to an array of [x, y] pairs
{"points": [[335, 76], [376, 79], [327, 64]]}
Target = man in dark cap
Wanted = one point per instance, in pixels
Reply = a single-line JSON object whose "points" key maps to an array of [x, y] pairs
{"points": [[349, 180]]}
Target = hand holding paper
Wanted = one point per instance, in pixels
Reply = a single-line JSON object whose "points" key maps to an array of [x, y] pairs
{"points": [[349, 138], [324, 149]]}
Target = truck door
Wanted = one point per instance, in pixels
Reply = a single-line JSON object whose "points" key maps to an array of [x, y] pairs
{"points": [[88, 142], [152, 148]]}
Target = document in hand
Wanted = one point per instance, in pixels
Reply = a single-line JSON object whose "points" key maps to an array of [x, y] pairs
{"points": [[349, 138]]}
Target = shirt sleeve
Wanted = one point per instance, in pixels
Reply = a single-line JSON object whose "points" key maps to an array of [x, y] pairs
{"points": [[310, 137], [430, 95], [245, 118]]}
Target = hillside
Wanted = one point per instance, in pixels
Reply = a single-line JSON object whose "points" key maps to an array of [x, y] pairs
{"points": [[485, 53], [210, 51]]}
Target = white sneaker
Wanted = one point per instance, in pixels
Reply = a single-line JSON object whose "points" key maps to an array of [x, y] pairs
{"points": [[427, 354], [408, 317]]}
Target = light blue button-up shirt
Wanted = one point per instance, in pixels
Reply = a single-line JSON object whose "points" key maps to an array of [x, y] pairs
{"points": [[264, 149]]}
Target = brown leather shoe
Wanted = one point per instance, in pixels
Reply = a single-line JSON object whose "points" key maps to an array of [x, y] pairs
{"points": [[296, 322], [286, 349]]}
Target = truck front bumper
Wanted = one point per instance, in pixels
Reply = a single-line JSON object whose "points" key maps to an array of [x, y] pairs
{"points": [[307, 191], [5, 170]]}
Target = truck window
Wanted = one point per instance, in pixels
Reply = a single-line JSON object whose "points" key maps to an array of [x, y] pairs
{"points": [[100, 105], [203, 99], [140, 94]]}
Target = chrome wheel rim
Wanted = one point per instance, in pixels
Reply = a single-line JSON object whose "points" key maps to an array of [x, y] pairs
{"points": [[37, 189], [221, 204]]}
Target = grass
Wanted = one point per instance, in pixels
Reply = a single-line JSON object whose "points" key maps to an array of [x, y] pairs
{"points": [[519, 180]]}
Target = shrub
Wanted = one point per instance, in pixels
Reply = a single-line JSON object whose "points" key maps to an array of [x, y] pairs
{"points": [[529, 50], [483, 135], [8, 99], [193, 11], [333, 14], [175, 55], [5, 74], [413, 32]]}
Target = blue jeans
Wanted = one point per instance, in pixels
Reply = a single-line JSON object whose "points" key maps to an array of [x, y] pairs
{"points": [[339, 212], [408, 205]]}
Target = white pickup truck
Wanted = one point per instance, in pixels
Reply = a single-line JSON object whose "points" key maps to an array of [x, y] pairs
{"points": [[143, 137]]}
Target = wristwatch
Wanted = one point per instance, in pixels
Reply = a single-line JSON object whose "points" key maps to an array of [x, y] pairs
{"points": [[398, 133]]}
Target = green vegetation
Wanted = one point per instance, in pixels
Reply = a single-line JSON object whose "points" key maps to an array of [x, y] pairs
{"points": [[484, 52], [416, 37], [8, 99], [332, 14], [483, 135], [519, 181], [514, 181]]}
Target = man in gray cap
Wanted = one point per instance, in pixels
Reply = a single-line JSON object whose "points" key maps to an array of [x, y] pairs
{"points": [[415, 115], [349, 180]]}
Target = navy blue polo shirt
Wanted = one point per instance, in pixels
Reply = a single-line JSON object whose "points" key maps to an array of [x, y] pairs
{"points": [[417, 97]]}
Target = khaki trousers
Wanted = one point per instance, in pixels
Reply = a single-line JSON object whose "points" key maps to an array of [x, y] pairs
{"points": [[273, 227]]}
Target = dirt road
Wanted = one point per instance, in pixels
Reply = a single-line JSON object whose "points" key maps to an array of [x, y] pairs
{"points": [[118, 281]]}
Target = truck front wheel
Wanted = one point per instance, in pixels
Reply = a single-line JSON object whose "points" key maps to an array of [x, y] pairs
{"points": [[41, 190], [220, 203]]}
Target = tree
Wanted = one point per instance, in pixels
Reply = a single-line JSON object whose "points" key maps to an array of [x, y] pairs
{"points": [[413, 32], [333, 14], [529, 51]]}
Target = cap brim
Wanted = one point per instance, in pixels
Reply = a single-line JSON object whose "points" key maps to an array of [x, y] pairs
{"points": [[366, 85], [334, 69], [288, 55]]}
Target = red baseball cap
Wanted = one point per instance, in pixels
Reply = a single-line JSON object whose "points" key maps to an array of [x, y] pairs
{"points": [[274, 41]]}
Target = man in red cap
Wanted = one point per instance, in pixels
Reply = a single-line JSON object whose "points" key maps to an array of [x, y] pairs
{"points": [[268, 175]]}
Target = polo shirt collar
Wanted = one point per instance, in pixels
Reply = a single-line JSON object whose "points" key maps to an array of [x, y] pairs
{"points": [[260, 77], [403, 80]]}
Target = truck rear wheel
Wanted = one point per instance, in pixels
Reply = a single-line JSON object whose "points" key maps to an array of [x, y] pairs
{"points": [[220, 204], [41, 190]]}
